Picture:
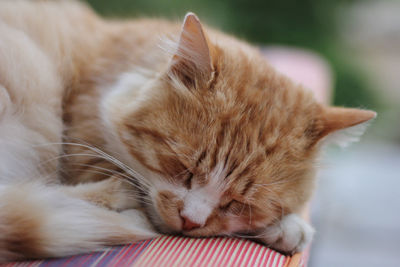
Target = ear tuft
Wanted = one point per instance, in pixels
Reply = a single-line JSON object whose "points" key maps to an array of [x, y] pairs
{"points": [[345, 137], [344, 126]]}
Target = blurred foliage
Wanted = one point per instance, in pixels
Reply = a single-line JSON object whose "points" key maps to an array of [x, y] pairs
{"points": [[308, 24]]}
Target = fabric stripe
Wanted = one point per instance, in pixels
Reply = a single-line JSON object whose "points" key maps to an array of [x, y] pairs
{"points": [[99, 258], [220, 245], [148, 249], [231, 252], [253, 259], [128, 255], [248, 253], [235, 259], [273, 260], [120, 253], [264, 258], [244, 251], [174, 251], [164, 252], [152, 254], [105, 258], [168, 251], [225, 253], [188, 255], [236, 251], [220, 252], [212, 250], [187, 248], [134, 257], [196, 258], [179, 250], [282, 260]]}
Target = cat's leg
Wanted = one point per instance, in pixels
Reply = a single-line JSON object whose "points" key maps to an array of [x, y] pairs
{"points": [[38, 221], [113, 193], [290, 235]]}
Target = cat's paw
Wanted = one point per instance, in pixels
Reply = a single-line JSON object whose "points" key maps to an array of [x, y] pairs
{"points": [[292, 234], [138, 221], [119, 194], [113, 193]]}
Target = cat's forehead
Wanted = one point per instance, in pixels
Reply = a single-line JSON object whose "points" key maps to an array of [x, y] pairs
{"points": [[237, 126]]}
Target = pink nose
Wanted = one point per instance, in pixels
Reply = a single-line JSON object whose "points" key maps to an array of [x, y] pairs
{"points": [[188, 224]]}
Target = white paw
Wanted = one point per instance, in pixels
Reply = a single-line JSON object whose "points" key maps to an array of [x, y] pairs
{"points": [[137, 221], [292, 234], [120, 194]]}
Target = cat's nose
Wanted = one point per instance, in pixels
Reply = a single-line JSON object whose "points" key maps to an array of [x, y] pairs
{"points": [[189, 224]]}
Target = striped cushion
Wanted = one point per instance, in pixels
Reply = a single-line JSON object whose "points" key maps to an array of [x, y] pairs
{"points": [[180, 252]]}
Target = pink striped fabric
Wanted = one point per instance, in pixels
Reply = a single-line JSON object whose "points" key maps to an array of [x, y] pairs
{"points": [[173, 251]]}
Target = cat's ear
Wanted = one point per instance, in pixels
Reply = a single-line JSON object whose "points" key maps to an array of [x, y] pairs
{"points": [[192, 60], [344, 125]]}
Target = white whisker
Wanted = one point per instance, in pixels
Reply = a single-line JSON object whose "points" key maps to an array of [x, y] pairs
{"points": [[106, 156], [112, 172]]}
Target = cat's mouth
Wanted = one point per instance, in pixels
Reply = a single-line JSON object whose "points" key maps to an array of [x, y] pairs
{"points": [[213, 228], [159, 224], [172, 224]]}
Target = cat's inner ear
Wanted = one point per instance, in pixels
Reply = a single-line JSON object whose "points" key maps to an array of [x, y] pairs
{"points": [[344, 125], [192, 61]]}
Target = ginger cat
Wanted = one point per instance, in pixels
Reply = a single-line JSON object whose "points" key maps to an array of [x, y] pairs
{"points": [[108, 135]]}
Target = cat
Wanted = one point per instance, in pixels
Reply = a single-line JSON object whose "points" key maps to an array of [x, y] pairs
{"points": [[110, 134]]}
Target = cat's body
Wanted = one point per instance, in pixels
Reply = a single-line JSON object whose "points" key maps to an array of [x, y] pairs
{"points": [[218, 142]]}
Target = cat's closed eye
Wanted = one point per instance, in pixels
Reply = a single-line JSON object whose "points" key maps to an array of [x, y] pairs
{"points": [[233, 206], [188, 180], [225, 206]]}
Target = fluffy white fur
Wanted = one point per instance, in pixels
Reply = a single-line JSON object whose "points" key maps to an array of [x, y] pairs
{"points": [[68, 225], [345, 137], [28, 116], [290, 234], [30, 142]]}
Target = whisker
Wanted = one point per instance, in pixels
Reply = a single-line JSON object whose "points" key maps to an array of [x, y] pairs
{"points": [[113, 172], [277, 182], [131, 176], [109, 158]]}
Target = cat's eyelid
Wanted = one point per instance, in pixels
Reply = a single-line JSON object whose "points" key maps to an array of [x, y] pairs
{"points": [[188, 181], [201, 158], [227, 205], [247, 187]]}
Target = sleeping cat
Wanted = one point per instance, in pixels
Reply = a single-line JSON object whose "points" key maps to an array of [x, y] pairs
{"points": [[109, 134]]}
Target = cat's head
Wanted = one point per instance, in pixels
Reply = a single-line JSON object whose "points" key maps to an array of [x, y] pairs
{"points": [[226, 143]]}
